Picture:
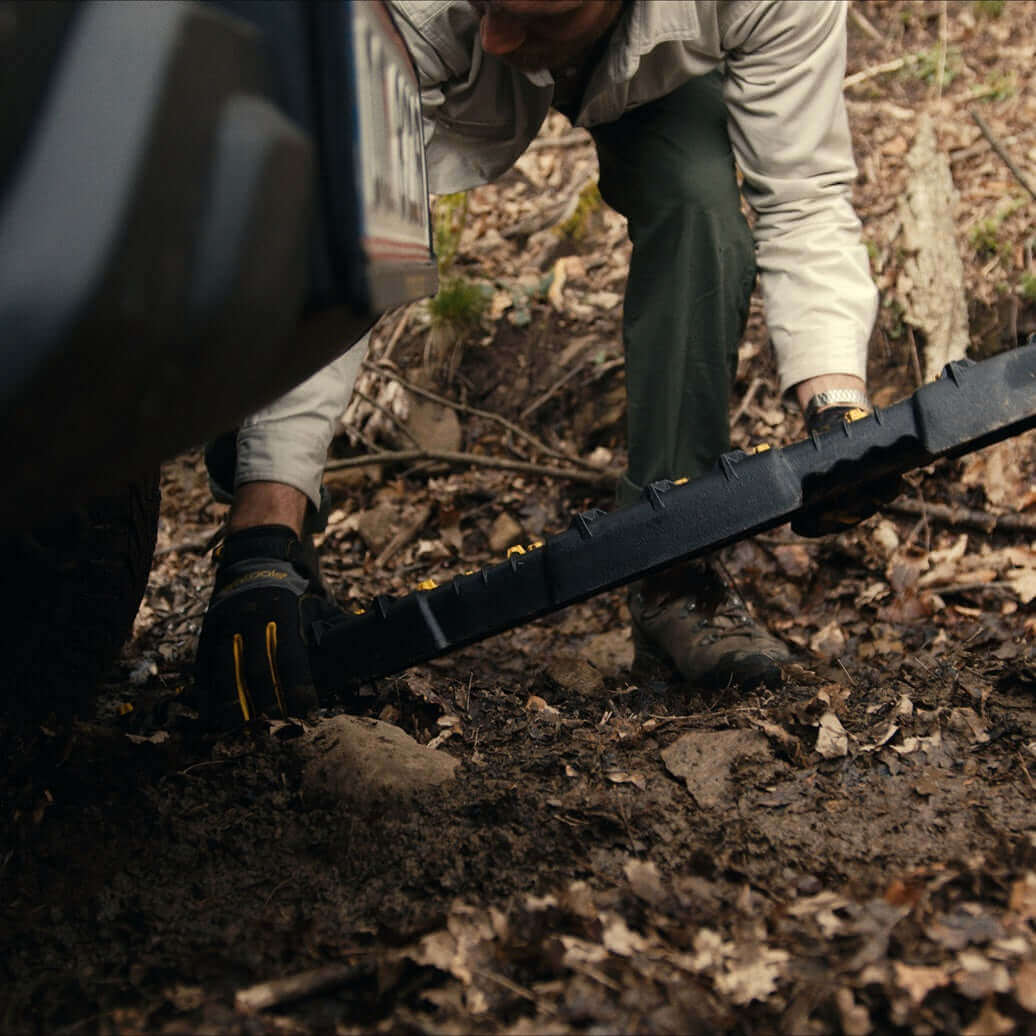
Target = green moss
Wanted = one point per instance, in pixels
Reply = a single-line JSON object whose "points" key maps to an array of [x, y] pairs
{"points": [[985, 237], [576, 226], [1028, 287], [1000, 87], [989, 8], [449, 214], [926, 66], [459, 303]]}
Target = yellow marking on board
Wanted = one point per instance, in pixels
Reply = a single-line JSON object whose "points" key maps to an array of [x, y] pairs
{"points": [[516, 549], [427, 584], [681, 481], [856, 414], [761, 448]]}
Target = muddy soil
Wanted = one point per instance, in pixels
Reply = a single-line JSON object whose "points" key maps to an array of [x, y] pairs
{"points": [[574, 850]]}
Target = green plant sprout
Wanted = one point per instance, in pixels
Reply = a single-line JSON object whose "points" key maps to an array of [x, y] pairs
{"points": [[576, 226]]}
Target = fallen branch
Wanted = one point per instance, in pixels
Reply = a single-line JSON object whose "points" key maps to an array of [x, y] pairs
{"points": [[861, 23], [387, 413], [404, 536], [876, 70], [1001, 151], [487, 415], [604, 479], [747, 401], [962, 517], [551, 392], [397, 334], [940, 66], [200, 545], [295, 987], [574, 138]]}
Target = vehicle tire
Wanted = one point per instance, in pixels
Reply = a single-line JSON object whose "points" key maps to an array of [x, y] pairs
{"points": [[70, 592]]}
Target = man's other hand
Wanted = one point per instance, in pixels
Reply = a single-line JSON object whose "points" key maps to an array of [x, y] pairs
{"points": [[859, 503]]}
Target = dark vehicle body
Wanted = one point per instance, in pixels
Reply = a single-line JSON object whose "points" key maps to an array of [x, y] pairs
{"points": [[201, 204]]}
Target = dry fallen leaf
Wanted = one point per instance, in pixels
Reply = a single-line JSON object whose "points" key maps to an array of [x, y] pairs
{"points": [[1023, 897], [832, 740], [754, 979], [990, 1023], [828, 642], [645, 881], [919, 981], [537, 704], [621, 940], [1025, 985]]}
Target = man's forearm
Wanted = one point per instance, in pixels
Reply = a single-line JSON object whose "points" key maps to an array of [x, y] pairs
{"points": [[267, 503]]}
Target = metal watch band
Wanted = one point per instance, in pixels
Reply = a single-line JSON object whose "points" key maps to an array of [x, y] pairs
{"points": [[836, 397]]}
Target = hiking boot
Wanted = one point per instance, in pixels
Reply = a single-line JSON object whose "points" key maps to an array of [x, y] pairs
{"points": [[690, 619]]}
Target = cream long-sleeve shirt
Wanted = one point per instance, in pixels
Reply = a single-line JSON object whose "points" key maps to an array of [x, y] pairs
{"points": [[783, 62]]}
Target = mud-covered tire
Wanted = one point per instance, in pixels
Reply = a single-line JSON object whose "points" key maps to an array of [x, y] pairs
{"points": [[70, 591]]}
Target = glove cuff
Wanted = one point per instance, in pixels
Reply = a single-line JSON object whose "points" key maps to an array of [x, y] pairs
{"points": [[260, 541]]}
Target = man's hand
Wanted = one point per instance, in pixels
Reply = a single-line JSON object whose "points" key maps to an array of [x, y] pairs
{"points": [[253, 659], [859, 504]]}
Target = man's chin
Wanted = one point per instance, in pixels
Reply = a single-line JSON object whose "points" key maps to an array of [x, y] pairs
{"points": [[528, 59]]}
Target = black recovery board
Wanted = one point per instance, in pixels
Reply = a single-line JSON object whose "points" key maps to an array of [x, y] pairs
{"points": [[970, 406]]}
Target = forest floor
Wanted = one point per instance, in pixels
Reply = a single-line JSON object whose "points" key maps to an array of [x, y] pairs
{"points": [[853, 852]]}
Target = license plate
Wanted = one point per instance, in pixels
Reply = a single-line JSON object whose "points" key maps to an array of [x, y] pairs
{"points": [[392, 180]]}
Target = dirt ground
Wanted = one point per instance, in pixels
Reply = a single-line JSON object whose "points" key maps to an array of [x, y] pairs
{"points": [[854, 852]]}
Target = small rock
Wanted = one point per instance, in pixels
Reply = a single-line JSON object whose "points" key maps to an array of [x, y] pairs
{"points": [[349, 757], [571, 673], [703, 758], [506, 532], [434, 426]]}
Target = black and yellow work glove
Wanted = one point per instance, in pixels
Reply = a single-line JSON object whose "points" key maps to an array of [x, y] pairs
{"points": [[253, 659], [859, 503]]}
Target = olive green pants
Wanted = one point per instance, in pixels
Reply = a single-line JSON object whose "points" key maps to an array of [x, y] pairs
{"points": [[669, 169]]}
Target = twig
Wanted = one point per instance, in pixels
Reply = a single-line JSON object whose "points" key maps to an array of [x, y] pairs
{"points": [[575, 138], [876, 70], [861, 23], [940, 65], [963, 517], [510, 986], [915, 358], [295, 987], [999, 149], [198, 766], [960, 588], [551, 392], [487, 415], [397, 334], [753, 388], [404, 536], [388, 413], [199, 545], [604, 479]]}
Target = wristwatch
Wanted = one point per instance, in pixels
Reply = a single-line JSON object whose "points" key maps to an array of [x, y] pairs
{"points": [[836, 397]]}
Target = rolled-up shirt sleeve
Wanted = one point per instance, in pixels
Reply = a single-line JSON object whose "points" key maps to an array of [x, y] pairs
{"points": [[287, 441], [790, 133]]}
